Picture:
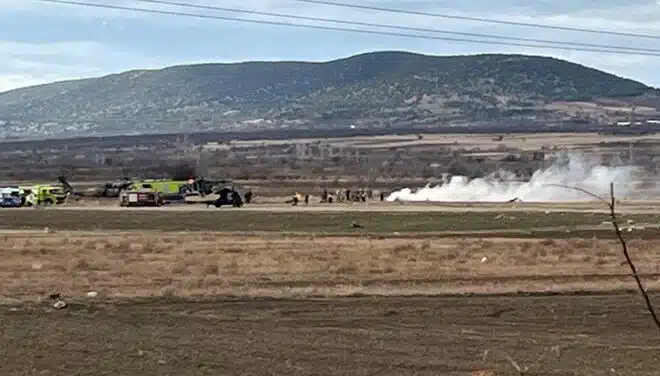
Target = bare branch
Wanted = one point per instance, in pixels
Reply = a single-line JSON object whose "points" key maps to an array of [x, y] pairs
{"points": [[581, 190], [624, 246]]}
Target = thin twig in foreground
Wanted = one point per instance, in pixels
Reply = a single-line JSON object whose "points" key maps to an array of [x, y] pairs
{"points": [[583, 191], [624, 246]]}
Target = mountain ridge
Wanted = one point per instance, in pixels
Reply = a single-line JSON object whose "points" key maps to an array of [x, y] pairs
{"points": [[372, 89]]}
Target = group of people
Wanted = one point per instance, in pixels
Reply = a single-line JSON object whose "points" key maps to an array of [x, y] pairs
{"points": [[347, 195], [338, 196]]}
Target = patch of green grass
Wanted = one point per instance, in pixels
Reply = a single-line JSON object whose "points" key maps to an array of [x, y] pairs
{"points": [[318, 222]]}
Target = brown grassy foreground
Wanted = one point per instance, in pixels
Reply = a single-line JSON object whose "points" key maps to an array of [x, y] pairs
{"points": [[327, 330], [133, 264], [329, 335], [420, 336]]}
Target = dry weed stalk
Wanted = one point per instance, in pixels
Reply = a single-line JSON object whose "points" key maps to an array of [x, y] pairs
{"points": [[524, 369], [624, 246]]}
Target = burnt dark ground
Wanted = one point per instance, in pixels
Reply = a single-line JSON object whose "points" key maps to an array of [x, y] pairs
{"points": [[594, 335]]}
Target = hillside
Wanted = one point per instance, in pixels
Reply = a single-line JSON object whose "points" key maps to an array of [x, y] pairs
{"points": [[373, 89]]}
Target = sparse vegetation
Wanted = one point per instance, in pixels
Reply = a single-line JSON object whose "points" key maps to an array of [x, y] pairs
{"points": [[336, 271], [143, 264], [374, 90]]}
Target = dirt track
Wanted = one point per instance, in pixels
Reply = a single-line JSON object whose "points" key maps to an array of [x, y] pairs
{"points": [[641, 206], [603, 335]]}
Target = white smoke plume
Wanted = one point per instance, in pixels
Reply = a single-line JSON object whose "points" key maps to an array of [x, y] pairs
{"points": [[574, 170]]}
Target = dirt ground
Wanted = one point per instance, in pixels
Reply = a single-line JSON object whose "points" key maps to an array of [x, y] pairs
{"points": [[579, 335], [277, 204], [302, 292]]}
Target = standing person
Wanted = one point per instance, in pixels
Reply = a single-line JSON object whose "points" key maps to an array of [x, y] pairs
{"points": [[237, 202]]}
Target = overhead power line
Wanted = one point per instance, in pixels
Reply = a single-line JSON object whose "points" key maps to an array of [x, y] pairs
{"points": [[479, 19], [395, 27], [609, 50]]}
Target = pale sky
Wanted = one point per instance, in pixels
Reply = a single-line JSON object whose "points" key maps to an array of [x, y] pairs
{"points": [[42, 42]]}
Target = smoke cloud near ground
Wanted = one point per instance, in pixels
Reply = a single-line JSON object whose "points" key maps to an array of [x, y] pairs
{"points": [[576, 170]]}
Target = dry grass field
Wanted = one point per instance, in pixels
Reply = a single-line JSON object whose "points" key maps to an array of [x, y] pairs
{"points": [[270, 289], [129, 264], [213, 303], [235, 292]]}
